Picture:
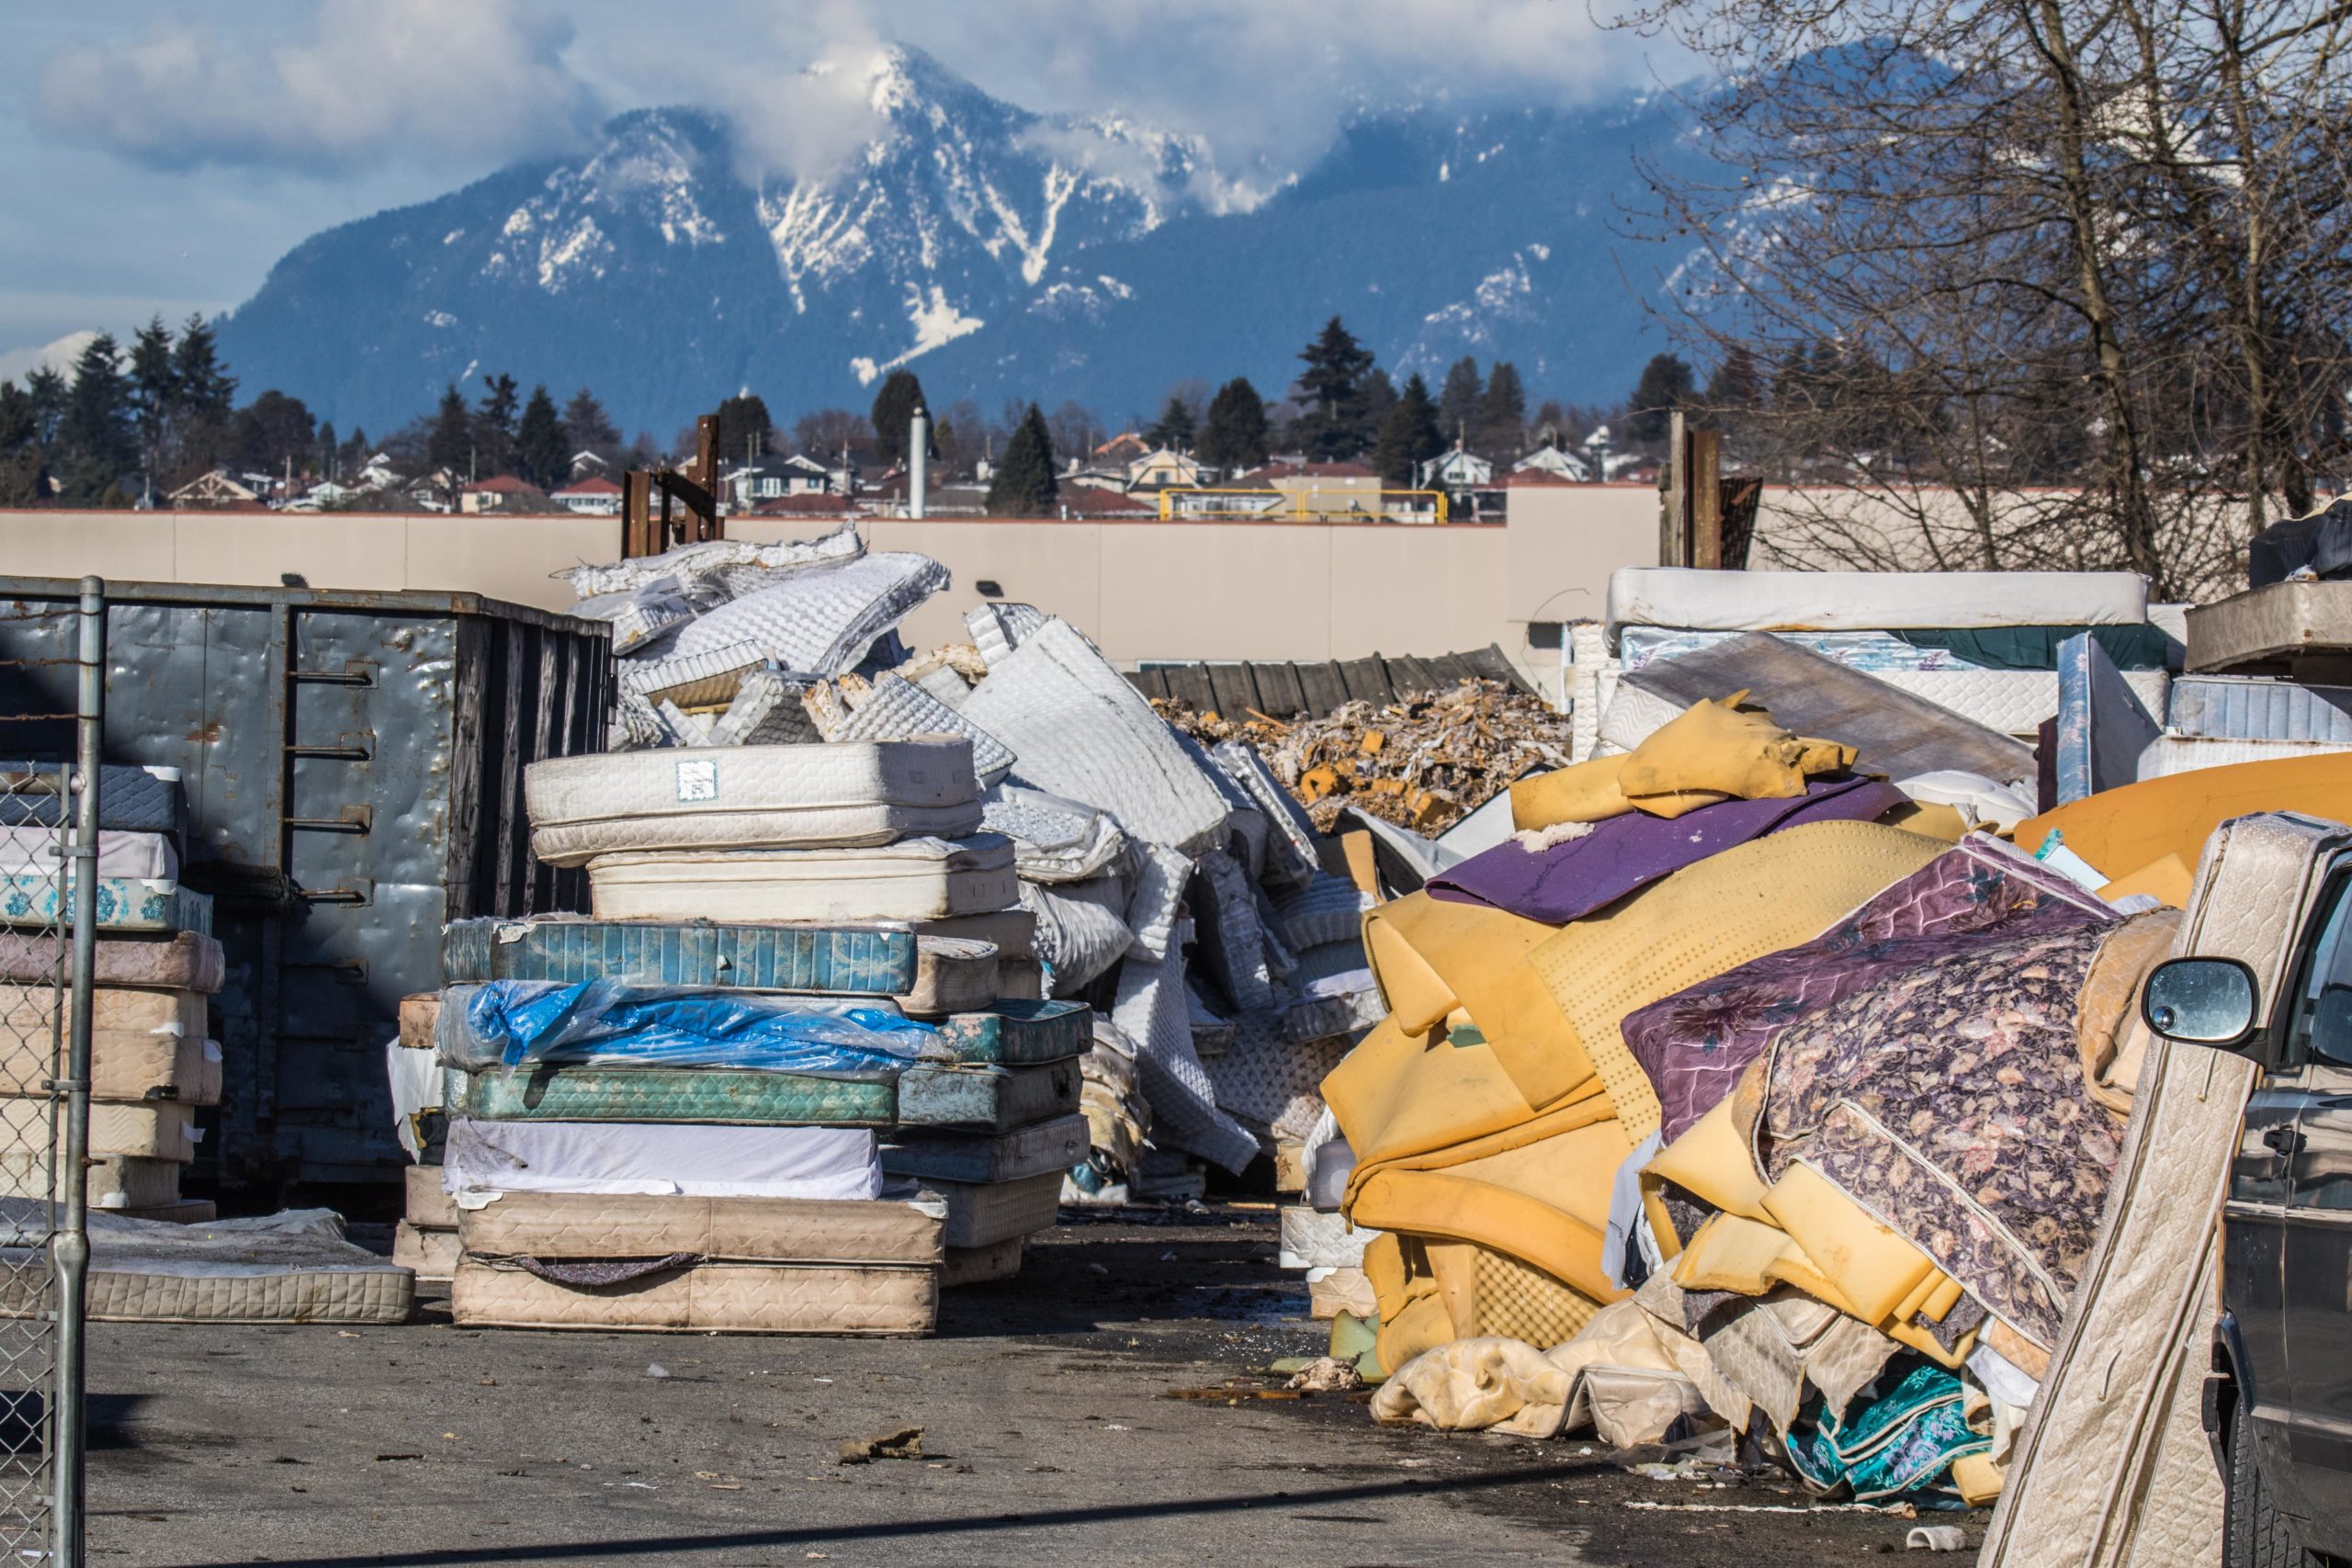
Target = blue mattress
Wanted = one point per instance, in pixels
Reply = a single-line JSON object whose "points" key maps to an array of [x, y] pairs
{"points": [[837, 959]]}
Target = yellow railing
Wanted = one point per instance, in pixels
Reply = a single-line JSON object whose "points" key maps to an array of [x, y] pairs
{"points": [[1306, 504]]}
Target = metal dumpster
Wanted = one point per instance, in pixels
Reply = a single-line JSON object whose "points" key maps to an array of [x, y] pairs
{"points": [[353, 767]]}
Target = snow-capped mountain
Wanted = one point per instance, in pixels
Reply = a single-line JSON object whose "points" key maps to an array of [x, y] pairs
{"points": [[1001, 253]]}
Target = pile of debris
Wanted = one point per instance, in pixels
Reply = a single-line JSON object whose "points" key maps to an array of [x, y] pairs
{"points": [[1423, 763]]}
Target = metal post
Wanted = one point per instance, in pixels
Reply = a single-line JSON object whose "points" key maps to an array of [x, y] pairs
{"points": [[70, 1248]]}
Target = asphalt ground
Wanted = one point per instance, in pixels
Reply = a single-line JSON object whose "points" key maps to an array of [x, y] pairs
{"points": [[1050, 1435]]}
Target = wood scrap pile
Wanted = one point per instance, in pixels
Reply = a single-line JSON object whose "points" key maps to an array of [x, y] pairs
{"points": [[1423, 763]]}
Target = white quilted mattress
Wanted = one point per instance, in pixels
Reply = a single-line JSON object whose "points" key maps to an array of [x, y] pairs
{"points": [[1082, 732], [897, 709], [1871, 601], [821, 621], [742, 1298], [750, 798], [753, 1230], [2013, 702], [984, 1213], [914, 879], [657, 1160], [2169, 754]]}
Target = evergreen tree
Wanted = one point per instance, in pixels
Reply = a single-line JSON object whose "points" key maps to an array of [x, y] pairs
{"points": [[1175, 427], [1331, 386], [1736, 383], [203, 394], [353, 455], [1501, 425], [325, 452], [153, 392], [588, 428], [97, 443], [449, 445], [24, 475], [540, 450], [1458, 399], [45, 390], [495, 426], [273, 433], [1408, 437], [1373, 399], [1023, 485], [894, 409], [1233, 437], [1666, 386], [744, 430]]}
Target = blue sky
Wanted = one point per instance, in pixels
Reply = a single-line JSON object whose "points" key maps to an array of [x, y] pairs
{"points": [[159, 156]]}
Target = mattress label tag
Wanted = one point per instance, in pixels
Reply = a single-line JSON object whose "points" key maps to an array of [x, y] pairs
{"points": [[698, 780]]}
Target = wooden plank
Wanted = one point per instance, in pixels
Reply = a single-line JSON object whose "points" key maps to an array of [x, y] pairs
{"points": [[1279, 692], [1674, 508], [1706, 492]]}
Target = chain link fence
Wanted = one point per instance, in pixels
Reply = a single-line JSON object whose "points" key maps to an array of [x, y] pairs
{"points": [[50, 711]]}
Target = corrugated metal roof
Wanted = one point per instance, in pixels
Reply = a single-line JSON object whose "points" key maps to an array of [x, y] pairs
{"points": [[1290, 690]]}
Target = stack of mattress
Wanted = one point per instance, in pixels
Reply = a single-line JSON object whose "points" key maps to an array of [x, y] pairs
{"points": [[153, 1062], [667, 1115]]}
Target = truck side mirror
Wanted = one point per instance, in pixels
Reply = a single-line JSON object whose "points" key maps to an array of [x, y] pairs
{"points": [[2201, 1001]]}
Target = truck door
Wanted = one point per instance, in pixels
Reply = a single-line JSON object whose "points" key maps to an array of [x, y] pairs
{"points": [[2307, 1101]]}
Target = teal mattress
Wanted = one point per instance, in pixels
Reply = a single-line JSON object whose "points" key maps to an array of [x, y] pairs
{"points": [[989, 1099], [1016, 1033], [589, 1093]]}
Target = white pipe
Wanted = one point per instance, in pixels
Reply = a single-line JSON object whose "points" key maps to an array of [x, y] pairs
{"points": [[918, 459]]}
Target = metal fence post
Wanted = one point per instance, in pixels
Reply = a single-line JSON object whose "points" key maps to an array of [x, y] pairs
{"points": [[71, 1245]]}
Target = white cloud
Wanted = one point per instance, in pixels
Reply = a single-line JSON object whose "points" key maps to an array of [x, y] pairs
{"points": [[376, 80]]}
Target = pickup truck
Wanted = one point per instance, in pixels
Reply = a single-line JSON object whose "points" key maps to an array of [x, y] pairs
{"points": [[2277, 1400]]}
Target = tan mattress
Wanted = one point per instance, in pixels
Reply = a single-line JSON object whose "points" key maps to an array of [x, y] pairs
{"points": [[742, 1298], [432, 1253], [952, 975], [143, 1044], [800, 797], [288, 1268], [790, 1230], [914, 879], [120, 1183], [158, 1130], [984, 1213], [982, 1265], [1014, 931], [428, 1205], [183, 961]]}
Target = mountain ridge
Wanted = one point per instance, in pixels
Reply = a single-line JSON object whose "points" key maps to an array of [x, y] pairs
{"points": [[998, 251]]}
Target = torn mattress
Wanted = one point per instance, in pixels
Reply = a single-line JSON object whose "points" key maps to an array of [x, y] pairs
{"points": [[821, 620]]}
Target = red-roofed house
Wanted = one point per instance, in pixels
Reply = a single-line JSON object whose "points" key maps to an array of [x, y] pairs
{"points": [[500, 492], [594, 496]]}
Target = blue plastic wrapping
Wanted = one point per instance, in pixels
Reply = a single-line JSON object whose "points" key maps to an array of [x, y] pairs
{"points": [[511, 1022]]}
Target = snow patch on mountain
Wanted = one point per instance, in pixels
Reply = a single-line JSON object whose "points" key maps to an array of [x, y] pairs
{"points": [[936, 323]]}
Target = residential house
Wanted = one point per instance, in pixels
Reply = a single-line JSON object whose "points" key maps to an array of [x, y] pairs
{"points": [[1552, 461], [591, 496], [584, 463], [1166, 467], [500, 492], [213, 489], [1455, 471], [767, 479], [1121, 450]]}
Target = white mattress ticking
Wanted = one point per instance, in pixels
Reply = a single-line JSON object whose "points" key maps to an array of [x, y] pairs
{"points": [[914, 879], [659, 1159], [1871, 601]]}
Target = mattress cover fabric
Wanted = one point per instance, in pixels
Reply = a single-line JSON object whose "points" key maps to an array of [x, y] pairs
{"points": [[716, 568], [1870, 601], [655, 1159], [858, 960], [757, 1230], [2236, 708], [140, 856], [693, 1095], [749, 798], [1292, 859], [131, 799], [821, 620], [896, 709], [1025, 1152], [2264, 625], [126, 904], [952, 975], [2170, 754], [1082, 732], [753, 1298], [1054, 840], [294, 1266], [1015, 1034], [1694, 1045], [913, 879], [1079, 934]]}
